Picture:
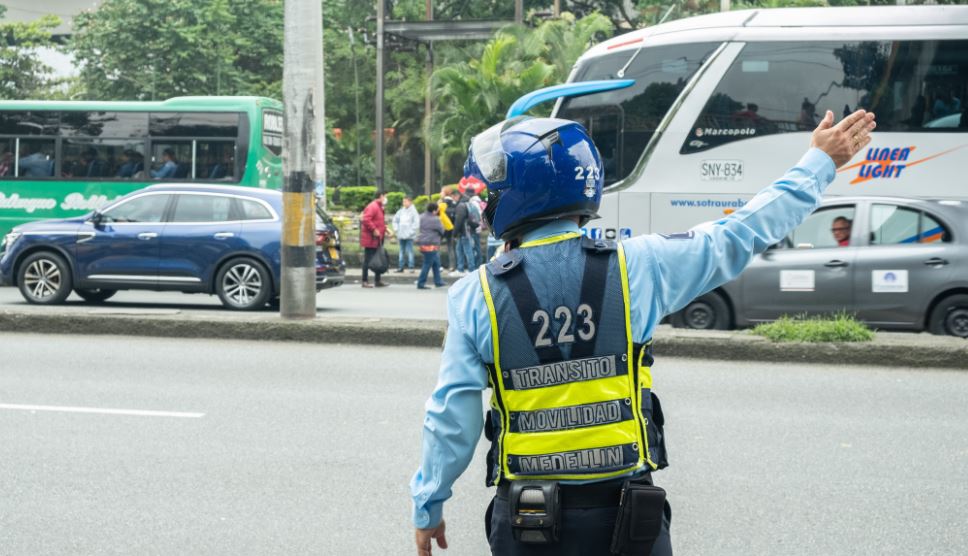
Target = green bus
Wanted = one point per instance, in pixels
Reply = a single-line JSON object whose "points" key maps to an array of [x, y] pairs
{"points": [[63, 159]]}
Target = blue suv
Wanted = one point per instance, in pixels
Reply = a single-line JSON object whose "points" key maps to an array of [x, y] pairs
{"points": [[196, 239]]}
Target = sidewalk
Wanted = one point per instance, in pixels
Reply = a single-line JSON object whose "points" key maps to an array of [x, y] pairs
{"points": [[904, 351], [354, 274]]}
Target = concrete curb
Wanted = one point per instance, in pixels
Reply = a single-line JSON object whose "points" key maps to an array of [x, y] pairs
{"points": [[907, 351]]}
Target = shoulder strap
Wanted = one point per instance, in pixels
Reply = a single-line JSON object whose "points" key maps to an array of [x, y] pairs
{"points": [[526, 301], [593, 284]]}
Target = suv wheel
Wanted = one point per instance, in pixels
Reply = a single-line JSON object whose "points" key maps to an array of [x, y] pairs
{"points": [[706, 312], [95, 295], [243, 284], [44, 278], [950, 317]]}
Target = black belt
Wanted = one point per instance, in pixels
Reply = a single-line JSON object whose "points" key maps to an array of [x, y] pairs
{"points": [[604, 494]]}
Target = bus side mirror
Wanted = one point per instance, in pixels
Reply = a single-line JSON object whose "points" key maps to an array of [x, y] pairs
{"points": [[96, 218]]}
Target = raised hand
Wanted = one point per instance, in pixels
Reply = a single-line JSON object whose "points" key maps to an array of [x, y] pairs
{"points": [[842, 141]]}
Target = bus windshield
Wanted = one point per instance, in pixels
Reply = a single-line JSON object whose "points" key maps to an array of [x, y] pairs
{"points": [[62, 159], [623, 121]]}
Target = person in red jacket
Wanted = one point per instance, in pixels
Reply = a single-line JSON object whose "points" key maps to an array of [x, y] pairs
{"points": [[373, 229]]}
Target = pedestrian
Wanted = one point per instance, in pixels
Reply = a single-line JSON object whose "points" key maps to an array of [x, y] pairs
{"points": [[373, 229], [428, 241], [448, 208], [560, 328], [463, 226], [475, 207], [406, 224]]}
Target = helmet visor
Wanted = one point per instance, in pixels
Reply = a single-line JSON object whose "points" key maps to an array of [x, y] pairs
{"points": [[488, 152]]}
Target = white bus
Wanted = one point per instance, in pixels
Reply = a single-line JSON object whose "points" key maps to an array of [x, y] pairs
{"points": [[723, 104]]}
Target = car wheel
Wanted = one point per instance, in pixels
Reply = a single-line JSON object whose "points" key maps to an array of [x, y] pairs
{"points": [[243, 284], [707, 312], [95, 295], [950, 317], [44, 278]]}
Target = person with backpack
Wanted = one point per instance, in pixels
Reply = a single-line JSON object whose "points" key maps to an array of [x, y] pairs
{"points": [[475, 214], [463, 233]]}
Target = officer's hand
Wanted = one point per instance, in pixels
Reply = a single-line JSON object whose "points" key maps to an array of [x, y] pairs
{"points": [[424, 537], [842, 141]]}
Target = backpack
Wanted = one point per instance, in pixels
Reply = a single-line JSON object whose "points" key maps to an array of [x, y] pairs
{"points": [[474, 216]]}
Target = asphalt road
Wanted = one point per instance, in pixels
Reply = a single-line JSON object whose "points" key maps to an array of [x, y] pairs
{"points": [[274, 448], [350, 300]]}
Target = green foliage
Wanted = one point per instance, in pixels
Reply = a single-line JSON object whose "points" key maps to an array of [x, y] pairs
{"points": [[394, 202], [158, 49], [420, 202], [472, 95], [837, 328], [356, 198], [23, 74]]}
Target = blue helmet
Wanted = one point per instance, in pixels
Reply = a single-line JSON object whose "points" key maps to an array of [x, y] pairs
{"points": [[536, 169]]}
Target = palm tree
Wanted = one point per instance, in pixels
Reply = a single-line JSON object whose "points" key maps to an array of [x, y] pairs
{"points": [[471, 96]]}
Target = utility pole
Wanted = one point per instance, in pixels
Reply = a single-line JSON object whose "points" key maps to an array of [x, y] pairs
{"points": [[428, 107], [556, 9], [379, 94], [518, 11], [724, 5], [302, 91]]}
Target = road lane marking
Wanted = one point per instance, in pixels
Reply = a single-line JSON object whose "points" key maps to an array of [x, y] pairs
{"points": [[104, 411]]}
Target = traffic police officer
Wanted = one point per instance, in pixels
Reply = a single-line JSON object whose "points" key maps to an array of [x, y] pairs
{"points": [[559, 328]]}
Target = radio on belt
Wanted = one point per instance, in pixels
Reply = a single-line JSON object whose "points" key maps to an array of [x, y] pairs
{"points": [[535, 511]]}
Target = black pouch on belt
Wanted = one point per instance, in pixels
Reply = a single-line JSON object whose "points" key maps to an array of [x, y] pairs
{"points": [[639, 520], [535, 511]]}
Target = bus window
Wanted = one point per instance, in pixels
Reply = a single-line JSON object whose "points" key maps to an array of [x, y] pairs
{"points": [[787, 87], [171, 160], [623, 121], [194, 124], [35, 158], [215, 160], [85, 158], [38, 122], [119, 125]]}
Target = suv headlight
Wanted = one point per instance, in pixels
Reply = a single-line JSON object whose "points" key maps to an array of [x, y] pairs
{"points": [[9, 239]]}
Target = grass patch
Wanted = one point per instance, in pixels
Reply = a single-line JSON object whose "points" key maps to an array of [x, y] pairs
{"points": [[838, 328]]}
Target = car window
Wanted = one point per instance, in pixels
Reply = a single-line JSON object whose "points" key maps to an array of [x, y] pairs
{"points": [[252, 210], [147, 208], [895, 225], [827, 227], [202, 208], [933, 231], [892, 225]]}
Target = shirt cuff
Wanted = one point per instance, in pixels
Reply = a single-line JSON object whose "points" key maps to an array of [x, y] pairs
{"points": [[428, 516], [819, 164]]}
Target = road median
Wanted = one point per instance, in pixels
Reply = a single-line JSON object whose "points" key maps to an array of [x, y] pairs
{"points": [[901, 350]]}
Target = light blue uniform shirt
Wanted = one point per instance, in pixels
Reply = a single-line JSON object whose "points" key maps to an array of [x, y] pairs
{"points": [[665, 274]]}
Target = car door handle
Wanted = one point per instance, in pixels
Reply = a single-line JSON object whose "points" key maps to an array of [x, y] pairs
{"points": [[147, 235], [836, 263], [224, 235], [936, 261]]}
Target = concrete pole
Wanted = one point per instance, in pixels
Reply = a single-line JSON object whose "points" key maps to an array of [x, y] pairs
{"points": [[428, 110], [519, 11], [556, 9], [301, 91], [319, 105], [379, 94], [724, 5]]}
